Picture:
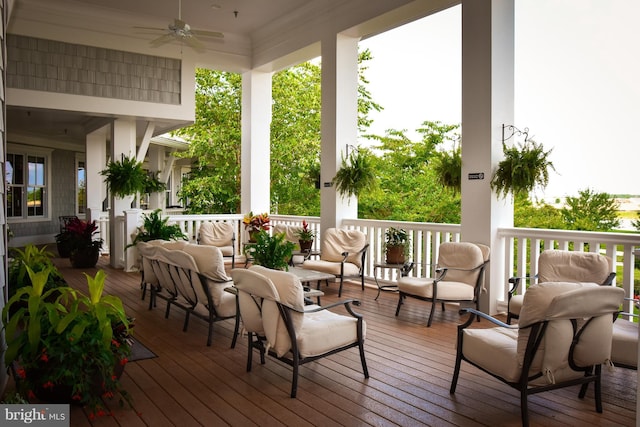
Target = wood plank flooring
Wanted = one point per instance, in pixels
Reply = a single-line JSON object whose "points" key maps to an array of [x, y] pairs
{"points": [[410, 366]]}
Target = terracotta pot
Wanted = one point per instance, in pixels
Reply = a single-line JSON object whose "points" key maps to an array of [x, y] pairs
{"points": [[305, 245], [395, 255]]}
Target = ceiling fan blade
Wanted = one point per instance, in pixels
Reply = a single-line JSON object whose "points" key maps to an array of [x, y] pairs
{"points": [[194, 43], [164, 39], [150, 28], [204, 33]]}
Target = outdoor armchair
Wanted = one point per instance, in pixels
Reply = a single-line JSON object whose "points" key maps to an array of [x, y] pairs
{"points": [[562, 339], [459, 277], [342, 254], [279, 324], [221, 235]]}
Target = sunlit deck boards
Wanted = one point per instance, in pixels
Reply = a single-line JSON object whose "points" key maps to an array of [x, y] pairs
{"points": [[190, 384]]}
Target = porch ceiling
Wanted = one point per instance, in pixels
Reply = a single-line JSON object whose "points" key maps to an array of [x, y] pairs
{"points": [[257, 33]]}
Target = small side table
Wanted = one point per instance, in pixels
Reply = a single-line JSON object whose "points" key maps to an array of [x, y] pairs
{"points": [[391, 287]]}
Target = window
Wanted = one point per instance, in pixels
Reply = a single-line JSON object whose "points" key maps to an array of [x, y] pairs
{"points": [[27, 180], [81, 186]]}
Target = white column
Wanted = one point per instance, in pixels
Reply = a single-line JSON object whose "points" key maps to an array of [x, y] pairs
{"points": [[256, 147], [123, 143], [96, 161], [339, 126], [487, 103]]}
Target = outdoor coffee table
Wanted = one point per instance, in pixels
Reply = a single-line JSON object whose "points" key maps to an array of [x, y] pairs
{"points": [[308, 276]]}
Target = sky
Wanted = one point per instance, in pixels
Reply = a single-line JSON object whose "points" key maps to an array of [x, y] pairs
{"points": [[577, 65]]}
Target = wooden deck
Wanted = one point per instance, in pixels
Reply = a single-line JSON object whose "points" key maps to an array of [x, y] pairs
{"points": [[190, 384]]}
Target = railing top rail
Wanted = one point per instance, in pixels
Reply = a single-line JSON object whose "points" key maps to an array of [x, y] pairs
{"points": [[585, 236], [404, 224]]}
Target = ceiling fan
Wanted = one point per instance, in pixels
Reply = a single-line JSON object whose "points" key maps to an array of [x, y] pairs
{"points": [[181, 31]]}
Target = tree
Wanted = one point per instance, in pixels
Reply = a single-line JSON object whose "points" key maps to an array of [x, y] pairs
{"points": [[213, 186], [528, 215], [590, 211], [408, 187]]}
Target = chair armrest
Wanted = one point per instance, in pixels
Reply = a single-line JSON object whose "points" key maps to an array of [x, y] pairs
{"points": [[482, 315], [347, 303]]}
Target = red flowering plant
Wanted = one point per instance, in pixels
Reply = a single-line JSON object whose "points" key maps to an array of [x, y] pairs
{"points": [[256, 222], [306, 234], [67, 347], [78, 236]]}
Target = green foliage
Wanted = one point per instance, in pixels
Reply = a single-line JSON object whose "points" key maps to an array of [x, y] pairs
{"points": [[528, 215], [408, 188], [213, 185], [590, 211], [63, 338], [271, 251], [125, 177], [154, 227], [448, 168], [356, 174], [37, 260], [525, 167], [153, 184], [636, 222]]}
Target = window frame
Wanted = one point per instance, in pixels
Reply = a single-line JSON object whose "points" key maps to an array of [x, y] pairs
{"points": [[27, 152]]}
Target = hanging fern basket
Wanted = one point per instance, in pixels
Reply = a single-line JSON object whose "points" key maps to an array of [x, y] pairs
{"points": [[125, 177], [356, 174], [525, 167]]}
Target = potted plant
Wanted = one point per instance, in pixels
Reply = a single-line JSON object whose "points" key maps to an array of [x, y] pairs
{"points": [[71, 349], [273, 252], [525, 167], [356, 174], [36, 259], [396, 244], [125, 177], [79, 236], [154, 227], [256, 223], [306, 236]]}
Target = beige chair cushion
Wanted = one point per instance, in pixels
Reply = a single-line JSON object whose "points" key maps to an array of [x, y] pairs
{"points": [[559, 302], [209, 261], [624, 345], [338, 240], [495, 349], [251, 283], [324, 331], [573, 266], [145, 250], [331, 267], [461, 255], [290, 292], [219, 234], [446, 290], [290, 233]]}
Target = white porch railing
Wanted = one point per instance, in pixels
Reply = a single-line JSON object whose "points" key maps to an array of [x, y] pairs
{"points": [[521, 246]]}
